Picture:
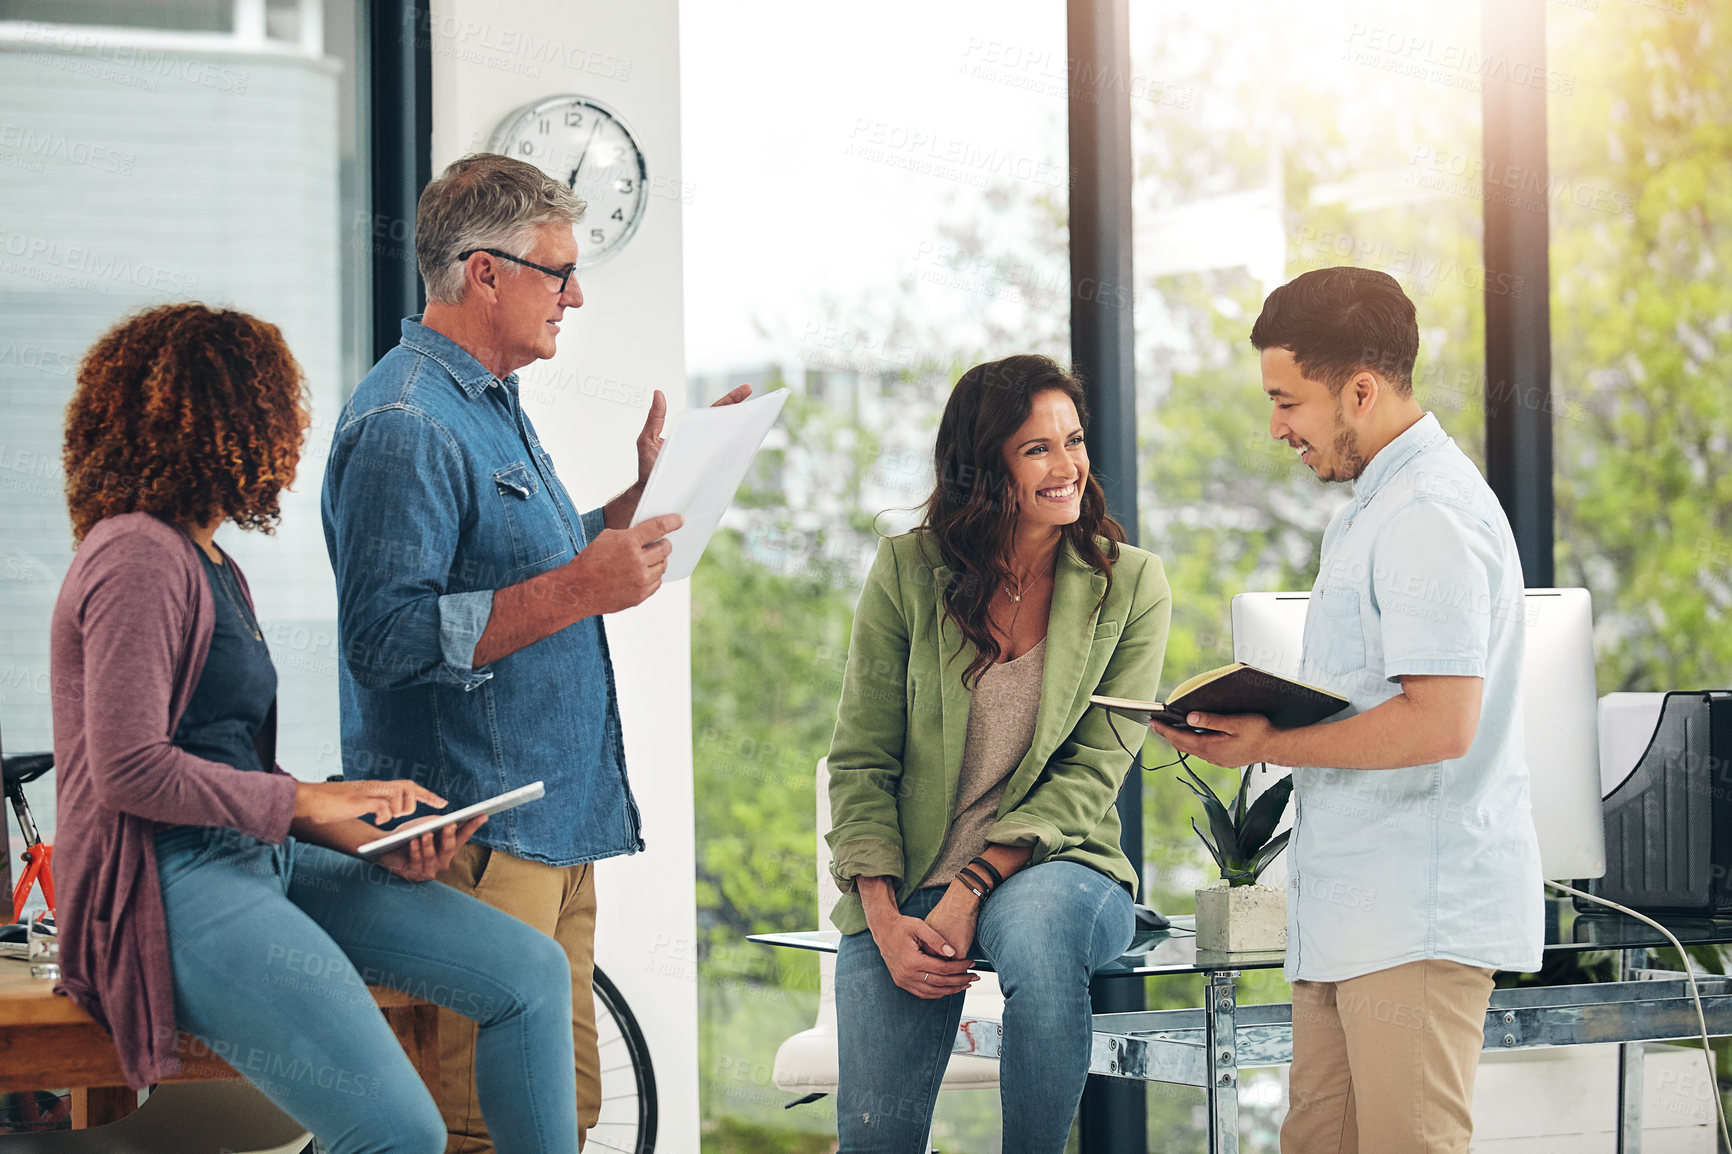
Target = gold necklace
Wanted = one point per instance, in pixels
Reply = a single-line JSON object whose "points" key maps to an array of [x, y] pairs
{"points": [[1021, 588]]}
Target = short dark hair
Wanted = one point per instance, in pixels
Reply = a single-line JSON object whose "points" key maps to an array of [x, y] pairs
{"points": [[1337, 321]]}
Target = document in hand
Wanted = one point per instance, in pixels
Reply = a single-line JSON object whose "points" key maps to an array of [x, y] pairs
{"points": [[703, 462], [1235, 688]]}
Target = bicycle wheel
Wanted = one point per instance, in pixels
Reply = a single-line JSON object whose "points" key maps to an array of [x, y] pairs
{"points": [[628, 1082]]}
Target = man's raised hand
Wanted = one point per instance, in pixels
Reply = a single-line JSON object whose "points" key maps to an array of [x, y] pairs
{"points": [[649, 441]]}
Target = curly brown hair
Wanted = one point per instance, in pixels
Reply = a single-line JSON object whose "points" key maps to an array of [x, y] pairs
{"points": [[188, 413]]}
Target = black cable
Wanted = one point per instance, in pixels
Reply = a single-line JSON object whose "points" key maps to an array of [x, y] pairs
{"points": [[1136, 756]]}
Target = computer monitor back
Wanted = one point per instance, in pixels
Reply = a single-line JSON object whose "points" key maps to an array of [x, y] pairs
{"points": [[1558, 711]]}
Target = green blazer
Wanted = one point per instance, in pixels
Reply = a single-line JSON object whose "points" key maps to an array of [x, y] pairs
{"points": [[897, 751]]}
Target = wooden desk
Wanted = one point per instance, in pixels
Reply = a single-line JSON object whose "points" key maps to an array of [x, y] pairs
{"points": [[48, 1042]]}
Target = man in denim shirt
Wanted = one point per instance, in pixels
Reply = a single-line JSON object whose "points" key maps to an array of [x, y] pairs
{"points": [[470, 590], [1415, 869]]}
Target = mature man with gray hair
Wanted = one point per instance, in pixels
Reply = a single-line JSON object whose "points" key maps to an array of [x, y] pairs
{"points": [[470, 590]]}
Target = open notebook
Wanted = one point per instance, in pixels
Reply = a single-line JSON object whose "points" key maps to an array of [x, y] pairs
{"points": [[1236, 688]]}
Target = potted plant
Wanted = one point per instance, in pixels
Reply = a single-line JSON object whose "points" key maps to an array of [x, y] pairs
{"points": [[1236, 915]]}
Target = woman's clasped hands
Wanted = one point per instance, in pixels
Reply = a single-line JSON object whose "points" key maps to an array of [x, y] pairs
{"points": [[919, 957]]}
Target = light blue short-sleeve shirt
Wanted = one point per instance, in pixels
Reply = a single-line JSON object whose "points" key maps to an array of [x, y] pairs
{"points": [[1419, 576]]}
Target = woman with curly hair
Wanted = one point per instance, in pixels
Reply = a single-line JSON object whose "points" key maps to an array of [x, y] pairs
{"points": [[971, 785], [201, 887]]}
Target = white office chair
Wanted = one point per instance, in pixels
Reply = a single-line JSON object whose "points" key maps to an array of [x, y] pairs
{"points": [[806, 1062]]}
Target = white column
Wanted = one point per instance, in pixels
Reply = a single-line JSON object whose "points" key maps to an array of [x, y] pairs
{"points": [[250, 23]]}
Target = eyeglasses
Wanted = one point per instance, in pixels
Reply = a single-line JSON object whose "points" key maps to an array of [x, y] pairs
{"points": [[564, 275]]}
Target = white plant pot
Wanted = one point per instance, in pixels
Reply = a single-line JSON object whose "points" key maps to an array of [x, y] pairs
{"points": [[1241, 919]]}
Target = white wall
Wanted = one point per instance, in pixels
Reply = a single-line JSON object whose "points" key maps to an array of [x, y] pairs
{"points": [[489, 58]]}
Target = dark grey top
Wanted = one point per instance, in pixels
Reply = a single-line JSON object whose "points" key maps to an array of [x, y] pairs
{"points": [[234, 693]]}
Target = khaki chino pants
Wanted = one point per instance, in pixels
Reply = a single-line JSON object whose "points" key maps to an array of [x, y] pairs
{"points": [[1384, 1063], [560, 902]]}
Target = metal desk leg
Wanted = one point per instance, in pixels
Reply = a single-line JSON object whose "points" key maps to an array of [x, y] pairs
{"points": [[1220, 1033], [1630, 1057]]}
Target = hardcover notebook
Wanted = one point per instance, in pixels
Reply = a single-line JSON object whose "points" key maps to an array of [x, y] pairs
{"points": [[1236, 688]]}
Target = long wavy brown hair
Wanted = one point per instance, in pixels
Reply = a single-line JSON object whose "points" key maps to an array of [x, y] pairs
{"points": [[971, 514], [186, 412]]}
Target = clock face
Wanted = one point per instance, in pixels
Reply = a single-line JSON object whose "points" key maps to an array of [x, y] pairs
{"points": [[584, 144]]}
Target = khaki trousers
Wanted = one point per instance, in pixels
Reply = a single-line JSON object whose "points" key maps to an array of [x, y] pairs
{"points": [[1384, 1063], [560, 902]]}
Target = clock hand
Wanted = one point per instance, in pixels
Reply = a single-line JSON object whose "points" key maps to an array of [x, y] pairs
{"points": [[571, 181]]}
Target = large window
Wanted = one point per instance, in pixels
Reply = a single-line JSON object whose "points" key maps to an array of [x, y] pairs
{"points": [[1641, 240], [1266, 146], [871, 211], [170, 151]]}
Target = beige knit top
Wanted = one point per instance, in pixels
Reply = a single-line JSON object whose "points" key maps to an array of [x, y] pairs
{"points": [[1001, 719]]}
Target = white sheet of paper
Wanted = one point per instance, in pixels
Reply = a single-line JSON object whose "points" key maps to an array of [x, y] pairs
{"points": [[702, 463]]}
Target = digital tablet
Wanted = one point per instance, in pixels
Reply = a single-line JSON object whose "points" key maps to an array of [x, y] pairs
{"points": [[404, 834]]}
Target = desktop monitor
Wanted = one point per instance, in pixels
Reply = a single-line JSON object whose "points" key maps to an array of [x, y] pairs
{"points": [[1559, 714]]}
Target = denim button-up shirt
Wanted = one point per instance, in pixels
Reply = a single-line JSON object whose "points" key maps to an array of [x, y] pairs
{"points": [[1419, 576], [437, 493]]}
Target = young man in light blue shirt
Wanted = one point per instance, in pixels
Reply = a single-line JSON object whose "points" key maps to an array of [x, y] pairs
{"points": [[1414, 868]]}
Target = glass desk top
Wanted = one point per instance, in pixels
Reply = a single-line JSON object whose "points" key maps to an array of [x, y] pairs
{"points": [[1174, 950]]}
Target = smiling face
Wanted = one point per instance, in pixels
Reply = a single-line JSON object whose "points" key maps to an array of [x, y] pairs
{"points": [[1048, 462], [1312, 419], [529, 305]]}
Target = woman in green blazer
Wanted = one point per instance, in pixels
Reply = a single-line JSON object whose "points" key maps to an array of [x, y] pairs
{"points": [[971, 785]]}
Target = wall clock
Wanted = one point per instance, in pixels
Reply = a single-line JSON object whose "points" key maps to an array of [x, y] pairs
{"points": [[585, 145]]}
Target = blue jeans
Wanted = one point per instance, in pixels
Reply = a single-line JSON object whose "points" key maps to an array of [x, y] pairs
{"points": [[1046, 931], [273, 947]]}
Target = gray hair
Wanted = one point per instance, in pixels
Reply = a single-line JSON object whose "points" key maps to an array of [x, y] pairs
{"points": [[484, 200]]}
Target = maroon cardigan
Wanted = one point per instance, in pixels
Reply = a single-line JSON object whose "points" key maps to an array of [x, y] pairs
{"points": [[131, 630]]}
